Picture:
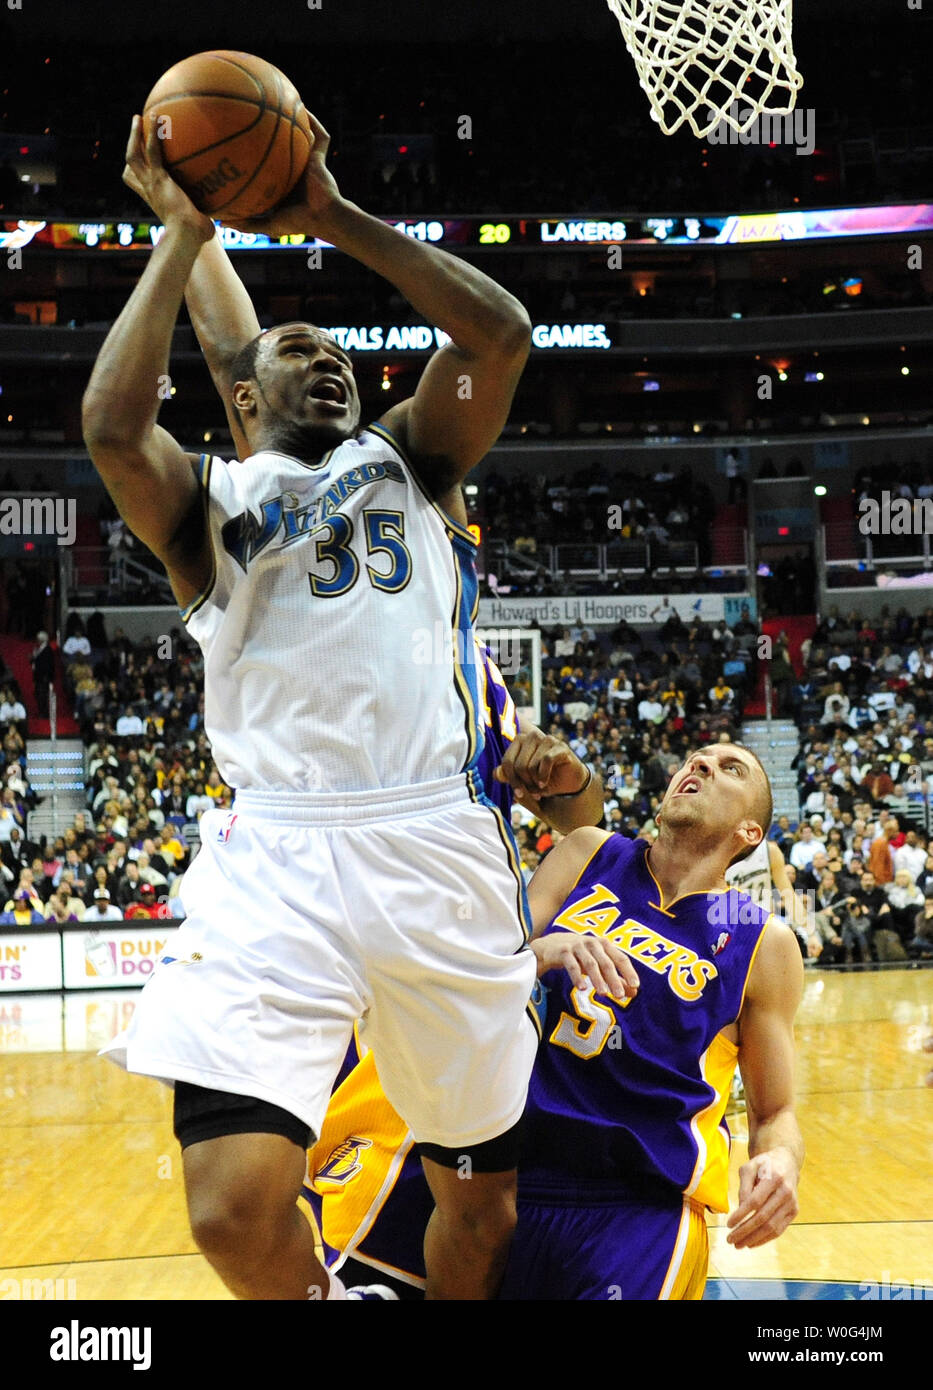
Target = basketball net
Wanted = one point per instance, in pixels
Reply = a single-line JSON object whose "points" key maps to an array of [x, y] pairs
{"points": [[708, 61]]}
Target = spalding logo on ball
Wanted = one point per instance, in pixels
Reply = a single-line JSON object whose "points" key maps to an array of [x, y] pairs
{"points": [[236, 137]]}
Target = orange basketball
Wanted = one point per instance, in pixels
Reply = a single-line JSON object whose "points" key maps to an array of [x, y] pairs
{"points": [[233, 130]]}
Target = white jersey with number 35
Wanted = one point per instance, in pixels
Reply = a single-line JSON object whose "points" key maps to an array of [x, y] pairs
{"points": [[337, 627]]}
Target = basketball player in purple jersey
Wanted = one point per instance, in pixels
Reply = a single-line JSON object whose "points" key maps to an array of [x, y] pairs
{"points": [[625, 1142]]}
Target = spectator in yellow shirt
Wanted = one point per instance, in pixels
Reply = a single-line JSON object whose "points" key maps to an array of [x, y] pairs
{"points": [[214, 787], [169, 845], [721, 695]]}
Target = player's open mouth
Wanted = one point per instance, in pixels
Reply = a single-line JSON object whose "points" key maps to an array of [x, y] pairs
{"points": [[689, 784], [330, 390]]}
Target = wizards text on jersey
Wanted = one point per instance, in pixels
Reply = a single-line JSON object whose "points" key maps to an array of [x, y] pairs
{"points": [[247, 536]]}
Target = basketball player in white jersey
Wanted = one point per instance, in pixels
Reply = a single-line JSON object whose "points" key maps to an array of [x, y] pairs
{"points": [[759, 874], [763, 876], [361, 873]]}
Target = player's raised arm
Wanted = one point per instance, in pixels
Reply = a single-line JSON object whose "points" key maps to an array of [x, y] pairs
{"points": [[224, 320], [465, 393], [768, 1181], [221, 310], [149, 476]]}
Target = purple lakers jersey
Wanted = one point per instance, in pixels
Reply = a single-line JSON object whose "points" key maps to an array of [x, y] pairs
{"points": [[501, 720], [635, 1093]]}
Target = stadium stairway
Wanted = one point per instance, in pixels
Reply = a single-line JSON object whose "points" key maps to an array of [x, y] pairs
{"points": [[796, 628], [56, 774], [727, 534], [776, 746], [16, 652]]}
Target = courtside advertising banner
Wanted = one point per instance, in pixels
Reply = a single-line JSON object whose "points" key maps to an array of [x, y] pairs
{"points": [[30, 961], [114, 958], [600, 610]]}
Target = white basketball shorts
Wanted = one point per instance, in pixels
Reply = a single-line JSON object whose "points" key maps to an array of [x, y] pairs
{"points": [[404, 909]]}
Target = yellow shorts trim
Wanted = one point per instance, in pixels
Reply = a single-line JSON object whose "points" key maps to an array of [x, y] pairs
{"points": [[686, 1275]]}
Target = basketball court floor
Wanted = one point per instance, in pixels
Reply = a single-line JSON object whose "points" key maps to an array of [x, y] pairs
{"points": [[91, 1186]]}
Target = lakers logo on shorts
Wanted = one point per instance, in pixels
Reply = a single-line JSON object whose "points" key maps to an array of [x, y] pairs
{"points": [[344, 1161]]}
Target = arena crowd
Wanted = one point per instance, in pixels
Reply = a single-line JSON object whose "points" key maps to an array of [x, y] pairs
{"points": [[632, 703]]}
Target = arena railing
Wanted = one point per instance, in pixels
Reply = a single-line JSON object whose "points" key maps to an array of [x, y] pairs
{"points": [[635, 558], [846, 551], [93, 570]]}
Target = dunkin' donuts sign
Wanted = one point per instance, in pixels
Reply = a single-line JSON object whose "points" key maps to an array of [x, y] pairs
{"points": [[112, 959]]}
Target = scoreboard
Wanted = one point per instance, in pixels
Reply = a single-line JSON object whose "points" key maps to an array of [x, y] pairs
{"points": [[504, 232]]}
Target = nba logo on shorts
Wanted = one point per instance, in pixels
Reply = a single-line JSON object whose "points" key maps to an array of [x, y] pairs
{"points": [[225, 831]]}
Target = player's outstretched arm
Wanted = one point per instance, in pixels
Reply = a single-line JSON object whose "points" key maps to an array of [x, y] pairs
{"points": [[224, 321], [465, 393], [221, 310], [149, 476], [768, 1181]]}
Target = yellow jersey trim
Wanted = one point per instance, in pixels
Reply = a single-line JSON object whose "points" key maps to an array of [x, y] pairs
{"points": [[709, 1182], [368, 1219], [586, 865], [348, 1211]]}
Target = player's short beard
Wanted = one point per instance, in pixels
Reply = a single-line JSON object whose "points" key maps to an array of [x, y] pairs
{"points": [[306, 442], [675, 820]]}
